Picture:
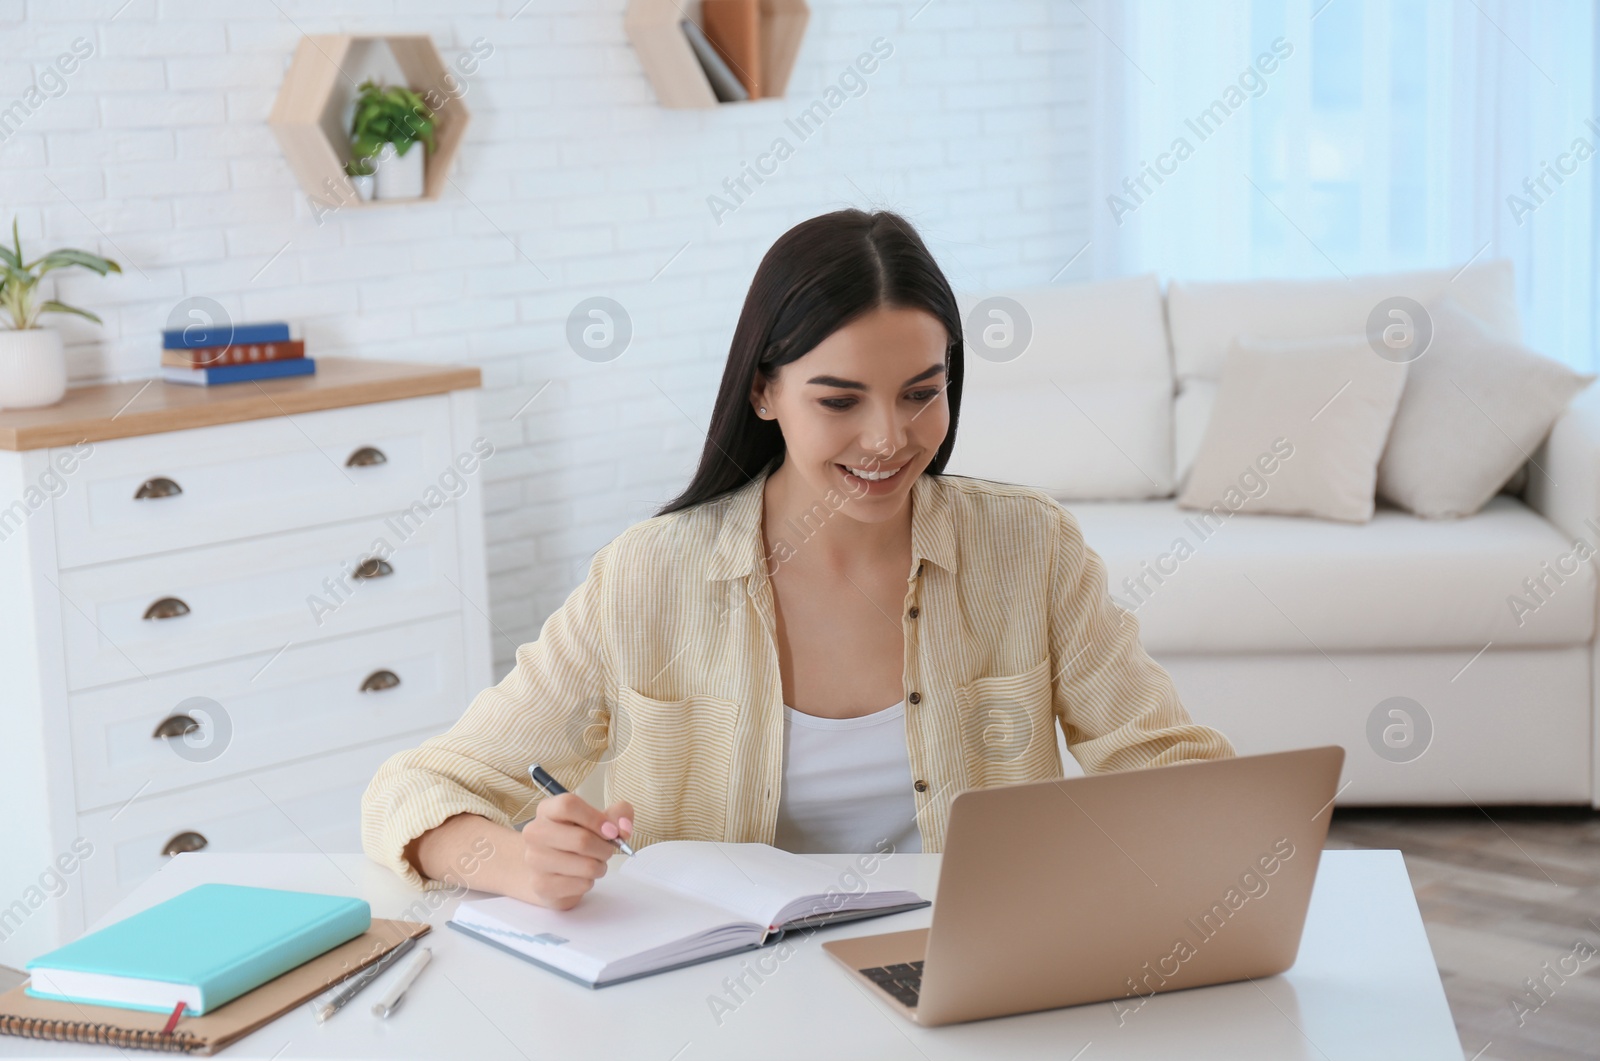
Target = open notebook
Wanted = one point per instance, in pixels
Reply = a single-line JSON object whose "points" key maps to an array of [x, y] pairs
{"points": [[676, 903]]}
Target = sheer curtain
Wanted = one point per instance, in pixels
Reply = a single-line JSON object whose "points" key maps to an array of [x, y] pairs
{"points": [[1251, 138]]}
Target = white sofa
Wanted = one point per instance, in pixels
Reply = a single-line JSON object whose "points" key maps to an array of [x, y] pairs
{"points": [[1287, 631]]}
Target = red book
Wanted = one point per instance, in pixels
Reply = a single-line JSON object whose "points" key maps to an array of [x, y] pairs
{"points": [[236, 354]]}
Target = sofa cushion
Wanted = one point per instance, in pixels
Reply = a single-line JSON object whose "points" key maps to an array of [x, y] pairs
{"points": [[1262, 583], [1474, 407], [1205, 317], [1085, 410], [1298, 430]]}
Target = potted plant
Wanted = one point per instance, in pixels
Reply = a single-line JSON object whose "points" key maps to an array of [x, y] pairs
{"points": [[33, 365], [387, 122]]}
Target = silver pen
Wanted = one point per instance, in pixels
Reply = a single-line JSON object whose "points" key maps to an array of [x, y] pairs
{"points": [[333, 1000]]}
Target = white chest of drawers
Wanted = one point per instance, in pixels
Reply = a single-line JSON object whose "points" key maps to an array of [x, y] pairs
{"points": [[220, 611]]}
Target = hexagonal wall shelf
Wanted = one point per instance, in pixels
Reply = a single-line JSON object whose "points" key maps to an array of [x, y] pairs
{"points": [[669, 62], [311, 116]]}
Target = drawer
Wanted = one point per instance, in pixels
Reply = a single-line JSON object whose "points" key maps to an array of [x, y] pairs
{"points": [[225, 601], [310, 807], [251, 478], [260, 711]]}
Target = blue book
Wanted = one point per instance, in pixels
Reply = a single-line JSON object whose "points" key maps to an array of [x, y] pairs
{"points": [[205, 377], [198, 335], [204, 948]]}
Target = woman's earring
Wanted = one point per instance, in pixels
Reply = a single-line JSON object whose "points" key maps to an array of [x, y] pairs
{"points": [[763, 410]]}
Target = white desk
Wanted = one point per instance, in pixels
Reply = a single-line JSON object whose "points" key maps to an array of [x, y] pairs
{"points": [[1365, 987]]}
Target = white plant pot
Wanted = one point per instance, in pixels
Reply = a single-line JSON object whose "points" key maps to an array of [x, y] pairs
{"points": [[363, 184], [399, 176], [33, 368]]}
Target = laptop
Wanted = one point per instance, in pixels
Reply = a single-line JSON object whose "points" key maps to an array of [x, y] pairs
{"points": [[1113, 886]]}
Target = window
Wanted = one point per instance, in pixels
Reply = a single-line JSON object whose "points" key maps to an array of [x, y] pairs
{"points": [[1283, 138]]}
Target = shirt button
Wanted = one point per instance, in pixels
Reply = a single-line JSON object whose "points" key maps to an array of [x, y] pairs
{"points": [[915, 698], [921, 786], [914, 612]]}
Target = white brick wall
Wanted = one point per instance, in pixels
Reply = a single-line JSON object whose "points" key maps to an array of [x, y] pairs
{"points": [[572, 182]]}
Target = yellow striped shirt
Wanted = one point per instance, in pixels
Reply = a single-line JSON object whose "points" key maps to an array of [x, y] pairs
{"points": [[663, 664]]}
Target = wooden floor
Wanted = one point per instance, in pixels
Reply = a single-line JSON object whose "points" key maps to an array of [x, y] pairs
{"points": [[1506, 899]]}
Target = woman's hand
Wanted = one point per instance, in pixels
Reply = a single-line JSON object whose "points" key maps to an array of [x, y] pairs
{"points": [[566, 846], [552, 861]]}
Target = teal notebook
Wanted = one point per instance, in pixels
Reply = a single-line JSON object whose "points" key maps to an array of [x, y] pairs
{"points": [[204, 948]]}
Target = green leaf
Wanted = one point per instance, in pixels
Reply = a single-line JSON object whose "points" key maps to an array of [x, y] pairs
{"points": [[61, 259], [60, 307]]}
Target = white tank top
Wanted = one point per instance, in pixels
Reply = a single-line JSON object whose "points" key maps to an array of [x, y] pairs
{"points": [[846, 784]]}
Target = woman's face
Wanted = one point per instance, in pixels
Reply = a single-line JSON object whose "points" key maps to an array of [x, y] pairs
{"points": [[870, 398]]}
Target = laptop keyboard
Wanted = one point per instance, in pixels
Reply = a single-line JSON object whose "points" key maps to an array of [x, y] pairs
{"points": [[903, 981]]}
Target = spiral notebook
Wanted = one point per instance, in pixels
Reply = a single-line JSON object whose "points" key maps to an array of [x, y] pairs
{"points": [[677, 903], [37, 1018]]}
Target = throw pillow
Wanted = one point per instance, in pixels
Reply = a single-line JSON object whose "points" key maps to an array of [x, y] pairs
{"points": [[1474, 409], [1297, 428]]}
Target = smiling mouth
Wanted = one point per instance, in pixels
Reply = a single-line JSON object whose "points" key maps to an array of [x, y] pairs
{"points": [[869, 476]]}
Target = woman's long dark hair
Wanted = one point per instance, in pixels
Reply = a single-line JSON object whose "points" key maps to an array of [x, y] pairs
{"points": [[819, 276]]}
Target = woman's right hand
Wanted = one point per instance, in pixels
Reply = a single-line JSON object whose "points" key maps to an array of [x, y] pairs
{"points": [[567, 845]]}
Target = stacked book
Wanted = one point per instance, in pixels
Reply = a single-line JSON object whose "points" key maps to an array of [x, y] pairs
{"points": [[201, 970], [203, 355]]}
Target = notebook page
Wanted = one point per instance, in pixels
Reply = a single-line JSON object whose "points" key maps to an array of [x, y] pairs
{"points": [[755, 881], [620, 921]]}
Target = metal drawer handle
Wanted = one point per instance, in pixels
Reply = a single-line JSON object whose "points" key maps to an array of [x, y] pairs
{"points": [[160, 486], [372, 567], [380, 680], [175, 726], [365, 457], [184, 842], [166, 608]]}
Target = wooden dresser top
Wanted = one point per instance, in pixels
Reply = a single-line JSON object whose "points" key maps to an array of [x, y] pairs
{"points": [[147, 407]]}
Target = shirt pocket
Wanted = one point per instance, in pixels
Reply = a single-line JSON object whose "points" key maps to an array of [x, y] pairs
{"points": [[1008, 727], [672, 761]]}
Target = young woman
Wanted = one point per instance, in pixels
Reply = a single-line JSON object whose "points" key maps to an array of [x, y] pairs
{"points": [[820, 642]]}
